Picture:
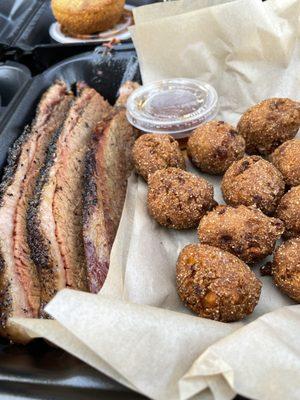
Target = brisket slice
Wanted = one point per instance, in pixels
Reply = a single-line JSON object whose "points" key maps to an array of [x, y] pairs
{"points": [[108, 165], [55, 214], [20, 292]]}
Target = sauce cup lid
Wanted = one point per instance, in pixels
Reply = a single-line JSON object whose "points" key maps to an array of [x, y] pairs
{"points": [[172, 106]]}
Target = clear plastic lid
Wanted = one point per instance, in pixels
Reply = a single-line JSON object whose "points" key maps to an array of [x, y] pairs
{"points": [[174, 106]]}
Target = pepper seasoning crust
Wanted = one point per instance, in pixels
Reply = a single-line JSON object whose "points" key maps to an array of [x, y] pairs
{"points": [[14, 154], [286, 159], [215, 284], [38, 245], [243, 231], [214, 146], [289, 212], [268, 124], [286, 268], [178, 199], [152, 152], [253, 181]]}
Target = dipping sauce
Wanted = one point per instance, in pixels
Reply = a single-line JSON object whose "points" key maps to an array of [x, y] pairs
{"points": [[174, 106]]}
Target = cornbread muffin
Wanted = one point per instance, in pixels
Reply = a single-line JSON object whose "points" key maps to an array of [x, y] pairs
{"points": [[215, 284], [268, 124], [286, 159], [243, 231], [87, 16], [253, 181], [286, 268], [214, 146], [178, 199], [152, 152], [289, 212]]}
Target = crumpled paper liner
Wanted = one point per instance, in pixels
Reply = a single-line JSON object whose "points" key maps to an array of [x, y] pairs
{"points": [[136, 330], [247, 49]]}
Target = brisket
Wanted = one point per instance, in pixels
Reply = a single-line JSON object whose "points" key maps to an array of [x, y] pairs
{"points": [[54, 220], [19, 284], [108, 165]]}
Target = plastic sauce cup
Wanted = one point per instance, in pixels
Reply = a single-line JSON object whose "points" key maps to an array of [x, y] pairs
{"points": [[173, 106]]}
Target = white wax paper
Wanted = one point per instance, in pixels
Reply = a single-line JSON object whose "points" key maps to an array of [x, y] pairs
{"points": [[136, 330]]}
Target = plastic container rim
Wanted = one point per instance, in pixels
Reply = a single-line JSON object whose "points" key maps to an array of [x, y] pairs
{"points": [[143, 123]]}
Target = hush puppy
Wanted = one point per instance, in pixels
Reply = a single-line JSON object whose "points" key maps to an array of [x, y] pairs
{"points": [[268, 124], [286, 268], [152, 152], [178, 199], [215, 284], [243, 231], [289, 212], [253, 181], [286, 159], [214, 146]]}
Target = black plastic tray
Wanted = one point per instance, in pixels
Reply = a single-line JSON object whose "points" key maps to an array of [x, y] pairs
{"points": [[14, 15], [39, 371], [25, 38], [13, 79], [45, 56], [43, 372]]}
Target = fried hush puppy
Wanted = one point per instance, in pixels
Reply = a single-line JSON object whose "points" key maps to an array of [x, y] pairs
{"points": [[289, 212], [152, 152], [215, 284], [253, 181], [243, 231], [214, 146], [286, 159], [82, 17], [178, 199], [268, 124], [285, 268]]}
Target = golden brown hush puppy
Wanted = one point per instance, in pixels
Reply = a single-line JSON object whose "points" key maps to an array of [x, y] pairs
{"points": [[87, 16], [152, 152], [244, 231], [178, 199], [214, 146], [253, 181], [268, 124], [215, 284]]}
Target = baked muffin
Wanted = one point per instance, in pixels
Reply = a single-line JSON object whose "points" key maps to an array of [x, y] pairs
{"points": [[289, 212], [243, 231], [286, 159], [268, 124], [253, 181], [152, 152], [286, 268], [214, 146], [87, 16], [178, 199], [215, 284]]}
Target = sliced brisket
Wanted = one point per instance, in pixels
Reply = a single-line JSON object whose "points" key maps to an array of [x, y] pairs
{"points": [[20, 291], [55, 214], [108, 166]]}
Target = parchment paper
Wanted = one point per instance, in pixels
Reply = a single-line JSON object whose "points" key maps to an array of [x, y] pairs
{"points": [[136, 330]]}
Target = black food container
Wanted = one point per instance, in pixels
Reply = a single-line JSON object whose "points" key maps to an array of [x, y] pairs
{"points": [[38, 370], [14, 78], [14, 16], [24, 34]]}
